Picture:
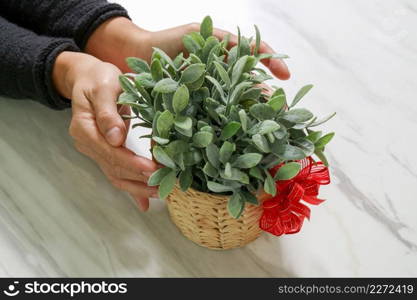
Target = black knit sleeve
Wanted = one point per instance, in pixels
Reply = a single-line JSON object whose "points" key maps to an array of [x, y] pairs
{"points": [[75, 19], [26, 62]]}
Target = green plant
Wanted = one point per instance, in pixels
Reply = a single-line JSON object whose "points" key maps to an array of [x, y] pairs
{"points": [[215, 129]]}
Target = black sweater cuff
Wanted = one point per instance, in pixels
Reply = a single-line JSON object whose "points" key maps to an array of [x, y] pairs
{"points": [[92, 16], [42, 71]]}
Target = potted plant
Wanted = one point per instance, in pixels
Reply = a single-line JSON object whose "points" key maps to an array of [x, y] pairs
{"points": [[226, 143]]}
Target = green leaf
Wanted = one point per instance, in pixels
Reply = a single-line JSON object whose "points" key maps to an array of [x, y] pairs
{"points": [[230, 130], [297, 115], [250, 64], [180, 99], [167, 184], [261, 142], [127, 85], [314, 136], [277, 102], [164, 123], [324, 140], [202, 139], [322, 157], [190, 44], [228, 170], [222, 73], [268, 126], [156, 70], [301, 93], [251, 94], [234, 174], [272, 55], [212, 152], [287, 152], [209, 48], [183, 122], [166, 86], [243, 117], [192, 73], [218, 188], [249, 197], [238, 69], [185, 179], [164, 56], [160, 140], [145, 80], [269, 184], [237, 91], [257, 41], [256, 173], [304, 144], [321, 121], [196, 36], [206, 27], [226, 151], [137, 65], [157, 176], [235, 205], [287, 171], [232, 57], [163, 158], [247, 160], [262, 111], [217, 86], [210, 170]]}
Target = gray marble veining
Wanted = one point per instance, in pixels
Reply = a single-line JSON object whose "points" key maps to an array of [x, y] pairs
{"points": [[60, 217]]}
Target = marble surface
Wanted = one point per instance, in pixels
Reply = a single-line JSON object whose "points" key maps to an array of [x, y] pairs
{"points": [[60, 217]]}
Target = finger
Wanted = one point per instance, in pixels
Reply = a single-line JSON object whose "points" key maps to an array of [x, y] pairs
{"points": [[277, 66], [139, 191], [109, 122], [142, 202], [125, 110], [120, 162]]}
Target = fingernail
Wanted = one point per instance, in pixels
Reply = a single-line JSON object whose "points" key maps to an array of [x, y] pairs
{"points": [[141, 205], [147, 173], [113, 136]]}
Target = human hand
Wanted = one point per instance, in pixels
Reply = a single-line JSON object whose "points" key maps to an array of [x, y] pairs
{"points": [[97, 127], [134, 41]]}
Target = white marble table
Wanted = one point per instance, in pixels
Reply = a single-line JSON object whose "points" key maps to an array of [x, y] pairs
{"points": [[60, 217]]}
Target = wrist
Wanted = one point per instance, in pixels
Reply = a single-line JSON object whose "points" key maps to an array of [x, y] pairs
{"points": [[116, 39], [67, 68]]}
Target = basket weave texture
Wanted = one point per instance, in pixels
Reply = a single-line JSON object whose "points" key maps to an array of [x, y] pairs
{"points": [[204, 219]]}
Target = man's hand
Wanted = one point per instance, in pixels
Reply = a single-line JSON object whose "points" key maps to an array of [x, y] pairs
{"points": [[119, 38], [97, 127]]}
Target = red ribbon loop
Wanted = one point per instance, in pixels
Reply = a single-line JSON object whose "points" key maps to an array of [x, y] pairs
{"points": [[284, 213]]}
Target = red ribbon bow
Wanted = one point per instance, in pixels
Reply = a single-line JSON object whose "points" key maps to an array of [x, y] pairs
{"points": [[284, 213]]}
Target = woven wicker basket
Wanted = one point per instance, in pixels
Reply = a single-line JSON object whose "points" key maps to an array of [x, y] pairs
{"points": [[204, 219]]}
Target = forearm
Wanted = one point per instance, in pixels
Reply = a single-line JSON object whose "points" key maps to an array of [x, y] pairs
{"points": [[118, 38], [74, 19], [26, 64]]}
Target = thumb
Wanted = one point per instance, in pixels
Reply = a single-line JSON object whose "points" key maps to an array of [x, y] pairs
{"points": [[109, 122]]}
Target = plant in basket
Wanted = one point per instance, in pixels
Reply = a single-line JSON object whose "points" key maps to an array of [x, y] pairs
{"points": [[226, 142]]}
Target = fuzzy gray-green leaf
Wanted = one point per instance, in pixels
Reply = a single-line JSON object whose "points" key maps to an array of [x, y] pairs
{"points": [[192, 73], [247, 160], [230, 130], [206, 27], [157, 176], [301, 93], [202, 139], [180, 99], [165, 86], [287, 171], [167, 184], [235, 205], [160, 155]]}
